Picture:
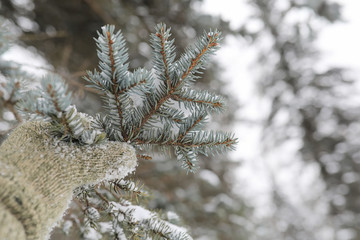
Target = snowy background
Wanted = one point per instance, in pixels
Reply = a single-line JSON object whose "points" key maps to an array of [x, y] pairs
{"points": [[298, 182]]}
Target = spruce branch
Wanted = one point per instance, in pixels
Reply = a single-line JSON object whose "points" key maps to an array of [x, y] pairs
{"points": [[164, 54], [151, 108], [52, 102], [200, 100], [194, 123], [133, 189], [127, 220], [138, 219], [157, 108], [113, 56], [11, 91], [173, 115], [194, 58]]}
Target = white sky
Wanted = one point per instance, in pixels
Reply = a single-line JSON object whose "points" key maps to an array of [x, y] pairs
{"points": [[341, 42]]}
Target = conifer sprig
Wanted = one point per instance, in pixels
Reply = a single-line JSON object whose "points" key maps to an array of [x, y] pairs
{"points": [[11, 91], [164, 54], [128, 221], [159, 107], [52, 102]]}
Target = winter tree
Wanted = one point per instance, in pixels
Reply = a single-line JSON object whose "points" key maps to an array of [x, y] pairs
{"points": [[316, 109]]}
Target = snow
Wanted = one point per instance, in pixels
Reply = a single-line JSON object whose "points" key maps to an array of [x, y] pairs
{"points": [[4, 126], [172, 216], [29, 60], [137, 213], [25, 4], [92, 213], [8, 116], [140, 215], [105, 227], [209, 177], [222, 198], [92, 234], [67, 226]]}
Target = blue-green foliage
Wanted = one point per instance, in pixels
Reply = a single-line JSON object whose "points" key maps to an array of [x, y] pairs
{"points": [[159, 107], [53, 102]]}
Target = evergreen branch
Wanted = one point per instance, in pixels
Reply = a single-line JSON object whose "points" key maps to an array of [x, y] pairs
{"points": [[66, 115], [115, 112], [207, 44], [203, 141], [172, 114], [103, 124], [58, 108], [155, 108], [120, 114], [32, 105], [112, 61], [52, 103], [148, 222], [193, 123], [187, 157], [115, 87], [132, 188], [11, 91], [194, 58], [200, 100], [127, 220], [208, 142], [142, 156], [113, 55], [97, 81], [166, 115], [164, 54], [158, 136], [139, 82], [102, 197], [134, 85]]}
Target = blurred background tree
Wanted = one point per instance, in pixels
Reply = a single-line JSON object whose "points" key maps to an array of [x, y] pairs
{"points": [[313, 105]]}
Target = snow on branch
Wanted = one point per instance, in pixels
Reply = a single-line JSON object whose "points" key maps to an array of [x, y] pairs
{"points": [[150, 223]]}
